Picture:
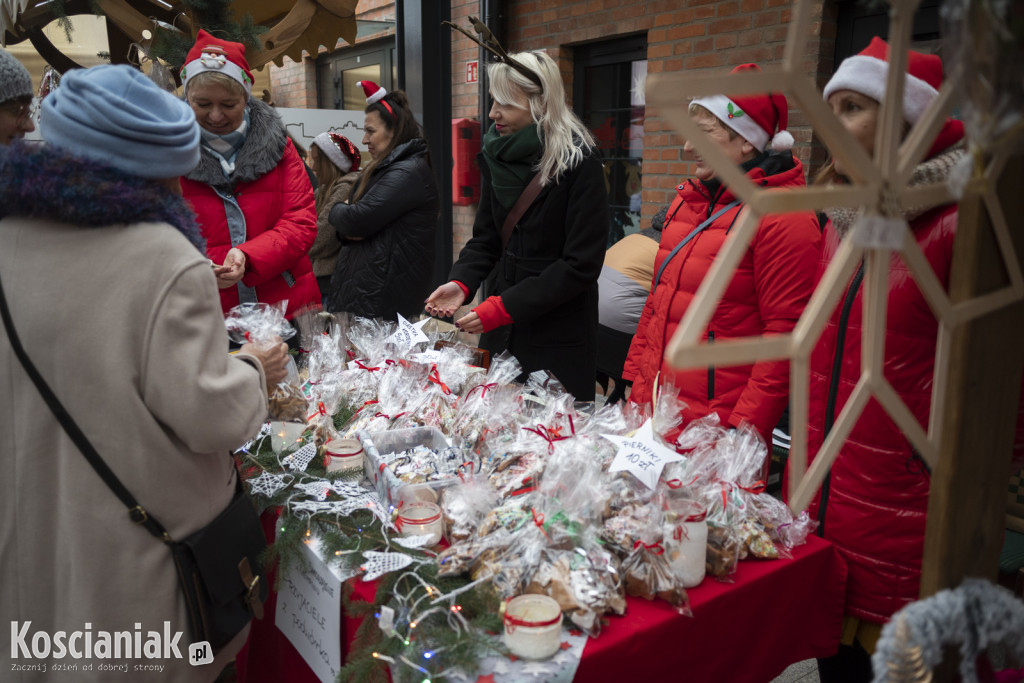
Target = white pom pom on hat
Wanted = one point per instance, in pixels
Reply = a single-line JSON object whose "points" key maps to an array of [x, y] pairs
{"points": [[374, 92]]}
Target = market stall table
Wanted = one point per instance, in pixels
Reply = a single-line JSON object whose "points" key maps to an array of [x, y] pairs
{"points": [[777, 612]]}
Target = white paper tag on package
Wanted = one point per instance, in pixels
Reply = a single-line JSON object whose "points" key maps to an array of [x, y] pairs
{"points": [[642, 455], [408, 334], [428, 357], [879, 232]]}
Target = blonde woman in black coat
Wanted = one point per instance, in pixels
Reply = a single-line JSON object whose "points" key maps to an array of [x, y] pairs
{"points": [[544, 307]]}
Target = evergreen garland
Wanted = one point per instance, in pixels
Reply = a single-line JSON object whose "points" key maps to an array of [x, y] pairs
{"points": [[454, 636]]}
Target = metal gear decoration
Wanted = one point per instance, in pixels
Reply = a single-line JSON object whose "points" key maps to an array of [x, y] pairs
{"points": [[880, 188]]}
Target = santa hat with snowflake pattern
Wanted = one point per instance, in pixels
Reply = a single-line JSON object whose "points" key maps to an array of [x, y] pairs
{"points": [[756, 118]]}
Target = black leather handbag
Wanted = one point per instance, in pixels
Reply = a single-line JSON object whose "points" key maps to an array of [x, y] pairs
{"points": [[219, 566]]}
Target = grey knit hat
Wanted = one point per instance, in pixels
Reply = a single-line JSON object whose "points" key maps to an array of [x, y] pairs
{"points": [[15, 81]]}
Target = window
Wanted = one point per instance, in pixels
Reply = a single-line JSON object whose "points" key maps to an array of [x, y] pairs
{"points": [[339, 71], [608, 94]]}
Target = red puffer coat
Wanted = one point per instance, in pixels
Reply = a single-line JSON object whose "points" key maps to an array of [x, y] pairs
{"points": [[766, 296], [272, 191], [876, 496]]}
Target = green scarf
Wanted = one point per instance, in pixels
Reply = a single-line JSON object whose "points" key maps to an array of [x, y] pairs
{"points": [[511, 159]]}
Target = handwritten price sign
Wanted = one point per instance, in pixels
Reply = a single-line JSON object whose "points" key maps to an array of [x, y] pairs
{"points": [[642, 455], [408, 334]]}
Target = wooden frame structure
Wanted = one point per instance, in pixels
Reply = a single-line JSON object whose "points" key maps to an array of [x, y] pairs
{"points": [[293, 25], [879, 187]]}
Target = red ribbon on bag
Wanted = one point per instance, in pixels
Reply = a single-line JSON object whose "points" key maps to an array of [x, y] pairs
{"points": [[367, 403], [359, 363], [321, 409], [538, 519], [549, 435], [483, 390], [655, 548], [435, 377]]}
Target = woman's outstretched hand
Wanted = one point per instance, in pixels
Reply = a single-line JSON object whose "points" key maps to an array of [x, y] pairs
{"points": [[445, 300]]}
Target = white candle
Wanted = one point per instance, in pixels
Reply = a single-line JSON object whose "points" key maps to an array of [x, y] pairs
{"points": [[421, 518], [343, 455], [686, 546], [533, 626]]}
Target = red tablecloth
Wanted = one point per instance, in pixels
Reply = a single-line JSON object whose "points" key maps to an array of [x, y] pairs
{"points": [[777, 612]]}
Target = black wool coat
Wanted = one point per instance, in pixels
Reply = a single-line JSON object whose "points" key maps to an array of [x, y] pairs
{"points": [[387, 268], [547, 277]]}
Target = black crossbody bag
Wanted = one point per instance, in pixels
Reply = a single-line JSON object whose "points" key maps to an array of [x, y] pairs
{"points": [[219, 566]]}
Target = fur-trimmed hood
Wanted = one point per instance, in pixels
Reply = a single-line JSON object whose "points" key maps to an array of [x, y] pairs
{"points": [[38, 180], [263, 148]]}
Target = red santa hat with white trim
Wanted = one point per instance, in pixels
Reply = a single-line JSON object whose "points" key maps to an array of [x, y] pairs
{"points": [[220, 56], [374, 92], [866, 73], [761, 120]]}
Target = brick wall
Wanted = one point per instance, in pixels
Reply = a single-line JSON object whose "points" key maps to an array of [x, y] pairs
{"points": [[713, 35], [294, 83]]}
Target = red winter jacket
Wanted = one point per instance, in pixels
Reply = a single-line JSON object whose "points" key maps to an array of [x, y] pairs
{"points": [[876, 495], [273, 192], [766, 296]]}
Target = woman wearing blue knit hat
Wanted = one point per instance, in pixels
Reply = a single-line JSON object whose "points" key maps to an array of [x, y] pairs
{"points": [[115, 304]]}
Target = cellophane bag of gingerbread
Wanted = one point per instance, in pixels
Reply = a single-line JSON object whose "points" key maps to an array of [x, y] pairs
{"points": [[264, 325]]}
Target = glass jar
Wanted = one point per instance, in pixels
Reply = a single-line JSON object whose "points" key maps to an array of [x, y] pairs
{"points": [[533, 626], [343, 455], [421, 518], [686, 546]]}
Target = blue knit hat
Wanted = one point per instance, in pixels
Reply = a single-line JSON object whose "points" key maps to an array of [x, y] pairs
{"points": [[116, 115]]}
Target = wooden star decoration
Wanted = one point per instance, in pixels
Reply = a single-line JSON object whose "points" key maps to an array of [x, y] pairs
{"points": [[880, 188]]}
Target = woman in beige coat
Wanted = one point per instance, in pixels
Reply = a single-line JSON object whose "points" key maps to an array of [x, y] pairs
{"points": [[335, 161], [116, 305]]}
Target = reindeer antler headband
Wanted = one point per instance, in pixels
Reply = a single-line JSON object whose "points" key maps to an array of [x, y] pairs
{"points": [[488, 42]]}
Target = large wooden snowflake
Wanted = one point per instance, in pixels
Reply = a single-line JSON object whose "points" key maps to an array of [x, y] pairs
{"points": [[880, 187]]}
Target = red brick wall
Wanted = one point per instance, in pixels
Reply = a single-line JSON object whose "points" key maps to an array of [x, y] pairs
{"points": [[681, 35], [294, 84]]}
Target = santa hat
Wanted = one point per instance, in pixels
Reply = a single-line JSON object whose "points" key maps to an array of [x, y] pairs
{"points": [[340, 150], [756, 118], [374, 93], [218, 56], [866, 73]]}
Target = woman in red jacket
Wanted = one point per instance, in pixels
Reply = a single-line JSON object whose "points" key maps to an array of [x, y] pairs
{"points": [[250, 191], [872, 504], [770, 287]]}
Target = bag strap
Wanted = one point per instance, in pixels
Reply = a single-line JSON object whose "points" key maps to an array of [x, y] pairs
{"points": [[700, 228], [135, 511], [527, 197]]}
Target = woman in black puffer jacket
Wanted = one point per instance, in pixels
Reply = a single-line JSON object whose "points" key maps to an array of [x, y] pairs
{"points": [[387, 228]]}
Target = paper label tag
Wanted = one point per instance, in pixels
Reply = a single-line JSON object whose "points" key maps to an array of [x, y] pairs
{"points": [[642, 455], [408, 334], [879, 232]]}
